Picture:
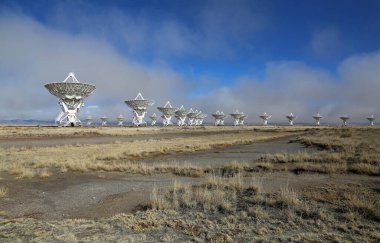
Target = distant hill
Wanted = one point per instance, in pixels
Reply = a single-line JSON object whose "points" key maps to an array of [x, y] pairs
{"points": [[27, 121]]}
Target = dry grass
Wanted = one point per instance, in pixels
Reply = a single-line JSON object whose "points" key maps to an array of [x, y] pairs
{"points": [[45, 131], [217, 194], [24, 173], [348, 199], [349, 211], [288, 198], [44, 173], [3, 192], [227, 206], [223, 209], [120, 156], [354, 150]]}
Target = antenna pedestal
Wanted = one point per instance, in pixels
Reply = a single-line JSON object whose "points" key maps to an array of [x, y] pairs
{"points": [[138, 118], [181, 121], [219, 122], [88, 121], [166, 120], [191, 121], [241, 121], [68, 115]]}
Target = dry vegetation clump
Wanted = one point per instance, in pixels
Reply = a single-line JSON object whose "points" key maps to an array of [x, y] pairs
{"points": [[346, 212], [3, 191], [47, 131], [347, 150], [44, 173], [223, 209], [234, 168], [185, 169], [348, 200], [26, 162], [217, 194]]}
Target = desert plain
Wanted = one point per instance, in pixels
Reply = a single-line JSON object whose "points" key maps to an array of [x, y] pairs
{"points": [[186, 184]]}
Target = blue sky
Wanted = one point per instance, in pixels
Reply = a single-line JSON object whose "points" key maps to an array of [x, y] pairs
{"points": [[251, 55]]}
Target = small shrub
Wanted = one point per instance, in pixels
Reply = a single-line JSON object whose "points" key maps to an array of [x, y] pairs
{"points": [[3, 192]]}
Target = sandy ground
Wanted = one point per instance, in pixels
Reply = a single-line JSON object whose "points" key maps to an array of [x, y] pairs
{"points": [[91, 197], [103, 194], [81, 196]]}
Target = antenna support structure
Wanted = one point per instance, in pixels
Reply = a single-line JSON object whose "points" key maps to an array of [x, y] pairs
{"points": [[139, 106], [71, 94]]}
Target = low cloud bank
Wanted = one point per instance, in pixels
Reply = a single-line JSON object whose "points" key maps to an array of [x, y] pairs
{"points": [[32, 54]]}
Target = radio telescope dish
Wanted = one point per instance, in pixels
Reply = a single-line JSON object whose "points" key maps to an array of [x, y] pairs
{"points": [[291, 118], [265, 118], [317, 118], [181, 115], [88, 120], [167, 113], [104, 120], [345, 118], [199, 118], [154, 119], [191, 115], [219, 118], [70, 93], [236, 116], [139, 106], [371, 119], [242, 118], [120, 120]]}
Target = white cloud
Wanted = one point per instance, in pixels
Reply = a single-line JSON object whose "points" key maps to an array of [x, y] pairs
{"points": [[32, 54], [303, 90], [209, 29]]}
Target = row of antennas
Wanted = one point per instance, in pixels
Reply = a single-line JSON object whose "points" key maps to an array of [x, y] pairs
{"points": [[71, 94], [139, 105], [196, 119]]}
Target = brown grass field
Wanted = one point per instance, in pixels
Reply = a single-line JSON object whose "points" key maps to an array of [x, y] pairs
{"points": [[326, 191]]}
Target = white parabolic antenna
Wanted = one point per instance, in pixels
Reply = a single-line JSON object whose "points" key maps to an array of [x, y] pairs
{"points": [[139, 106], [219, 118], [291, 118], [181, 115], [167, 112], [317, 118], [120, 120], [265, 118], [88, 120], [236, 116], [371, 119], [191, 115], [104, 120], [153, 118], [345, 118], [199, 118], [242, 118], [71, 94]]}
